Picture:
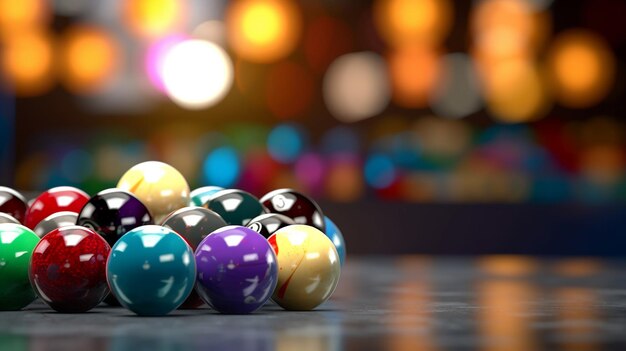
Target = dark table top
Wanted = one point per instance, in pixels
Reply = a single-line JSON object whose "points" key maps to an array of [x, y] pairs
{"points": [[401, 303]]}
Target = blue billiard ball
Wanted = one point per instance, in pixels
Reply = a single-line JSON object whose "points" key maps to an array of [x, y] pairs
{"points": [[151, 270], [334, 234]]}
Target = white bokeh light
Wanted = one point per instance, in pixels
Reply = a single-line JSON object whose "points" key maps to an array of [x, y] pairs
{"points": [[356, 86], [197, 74]]}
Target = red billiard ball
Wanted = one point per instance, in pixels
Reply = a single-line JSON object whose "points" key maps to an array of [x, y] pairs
{"points": [[12, 203], [62, 198], [68, 269]]}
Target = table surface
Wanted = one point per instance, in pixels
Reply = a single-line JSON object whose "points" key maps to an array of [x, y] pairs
{"points": [[393, 303]]}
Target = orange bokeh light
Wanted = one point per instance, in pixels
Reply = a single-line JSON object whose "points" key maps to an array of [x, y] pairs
{"points": [[504, 29], [263, 30], [27, 61], [22, 15], [582, 67], [408, 21], [88, 59], [152, 18], [414, 71], [516, 91]]}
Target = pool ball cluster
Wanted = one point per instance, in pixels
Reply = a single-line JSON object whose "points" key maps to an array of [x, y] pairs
{"points": [[151, 245]]}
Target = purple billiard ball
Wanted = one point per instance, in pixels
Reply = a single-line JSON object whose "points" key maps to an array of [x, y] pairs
{"points": [[237, 271]]}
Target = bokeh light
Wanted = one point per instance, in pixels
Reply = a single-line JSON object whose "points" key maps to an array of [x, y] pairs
{"points": [[503, 28], [289, 90], [356, 86], [88, 58], [23, 15], [516, 92], [457, 93], [221, 167], [155, 57], [285, 143], [414, 72], [153, 18], [213, 30], [310, 170], [582, 66], [408, 21], [263, 30], [379, 171], [28, 62], [197, 74], [344, 180]]}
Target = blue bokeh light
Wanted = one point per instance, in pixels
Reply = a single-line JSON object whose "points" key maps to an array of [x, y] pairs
{"points": [[221, 167], [379, 171], [285, 143]]}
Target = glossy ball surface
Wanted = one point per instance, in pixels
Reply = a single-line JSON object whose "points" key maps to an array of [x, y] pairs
{"points": [[267, 224], [68, 269], [308, 267], [12, 203], [112, 213], [193, 224], [158, 185], [16, 247], [297, 206], [54, 221], [59, 199], [334, 234], [235, 206], [151, 270], [201, 195], [7, 218], [237, 270]]}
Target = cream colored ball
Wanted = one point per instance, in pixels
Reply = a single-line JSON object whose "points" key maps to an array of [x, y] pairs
{"points": [[158, 185]]}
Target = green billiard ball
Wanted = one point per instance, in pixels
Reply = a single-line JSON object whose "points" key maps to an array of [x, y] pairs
{"points": [[16, 246]]}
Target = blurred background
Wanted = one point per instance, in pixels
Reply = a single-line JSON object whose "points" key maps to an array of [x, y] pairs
{"points": [[501, 120]]}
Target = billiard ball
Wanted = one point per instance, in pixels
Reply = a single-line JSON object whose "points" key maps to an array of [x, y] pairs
{"points": [[62, 198], [308, 267], [68, 269], [297, 206], [7, 218], [151, 270], [112, 213], [237, 207], [158, 185], [237, 270], [54, 221], [334, 234], [12, 203], [201, 195], [16, 247], [268, 223], [193, 224]]}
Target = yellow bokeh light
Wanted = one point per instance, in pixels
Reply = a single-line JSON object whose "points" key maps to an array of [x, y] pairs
{"points": [[408, 21], [27, 61], [414, 70], [263, 30], [516, 91], [88, 59], [21, 15], [582, 67], [152, 18]]}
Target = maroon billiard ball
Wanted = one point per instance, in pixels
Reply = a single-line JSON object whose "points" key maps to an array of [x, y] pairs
{"points": [[68, 269], [12, 203], [62, 198], [295, 205]]}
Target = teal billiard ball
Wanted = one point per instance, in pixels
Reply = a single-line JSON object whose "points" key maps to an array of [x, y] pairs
{"points": [[151, 270]]}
